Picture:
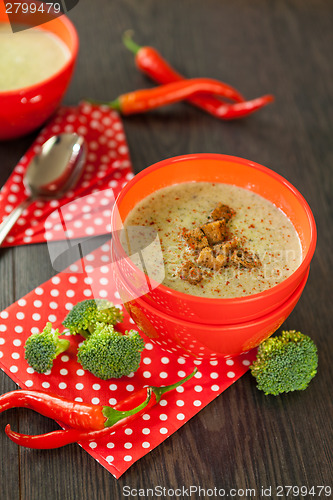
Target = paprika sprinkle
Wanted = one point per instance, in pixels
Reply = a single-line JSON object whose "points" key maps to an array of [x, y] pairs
{"points": [[151, 62]]}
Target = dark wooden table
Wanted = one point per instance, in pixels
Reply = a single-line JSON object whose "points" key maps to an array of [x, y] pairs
{"points": [[242, 440]]}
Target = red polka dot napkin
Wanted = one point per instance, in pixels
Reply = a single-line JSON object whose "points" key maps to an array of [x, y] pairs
{"points": [[51, 302], [107, 168]]}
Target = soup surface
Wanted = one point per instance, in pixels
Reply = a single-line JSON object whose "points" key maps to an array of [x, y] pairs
{"points": [[261, 231], [28, 57]]}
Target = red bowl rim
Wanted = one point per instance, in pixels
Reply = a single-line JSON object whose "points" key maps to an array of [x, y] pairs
{"points": [[73, 54], [234, 326], [231, 300]]}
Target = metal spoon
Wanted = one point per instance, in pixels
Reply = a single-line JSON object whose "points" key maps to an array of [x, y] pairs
{"points": [[50, 174]]}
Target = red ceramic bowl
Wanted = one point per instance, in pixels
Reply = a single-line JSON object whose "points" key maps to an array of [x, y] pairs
{"points": [[204, 340], [23, 110], [225, 169]]}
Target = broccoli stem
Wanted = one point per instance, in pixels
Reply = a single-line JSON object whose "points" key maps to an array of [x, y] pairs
{"points": [[62, 345]]}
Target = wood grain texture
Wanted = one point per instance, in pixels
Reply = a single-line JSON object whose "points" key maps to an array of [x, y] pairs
{"points": [[242, 439]]}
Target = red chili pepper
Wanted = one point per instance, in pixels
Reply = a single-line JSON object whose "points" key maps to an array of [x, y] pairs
{"points": [[87, 422], [143, 100], [151, 62]]}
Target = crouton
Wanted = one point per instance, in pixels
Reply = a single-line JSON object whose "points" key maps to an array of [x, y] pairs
{"points": [[221, 261], [190, 272], [206, 258], [226, 248], [195, 238], [215, 231], [243, 258], [222, 212]]}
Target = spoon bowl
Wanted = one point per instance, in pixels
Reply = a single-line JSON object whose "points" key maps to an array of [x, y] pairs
{"points": [[50, 174]]}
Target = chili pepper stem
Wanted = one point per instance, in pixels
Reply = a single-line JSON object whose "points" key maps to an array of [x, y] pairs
{"points": [[159, 391], [113, 416], [115, 104], [129, 42]]}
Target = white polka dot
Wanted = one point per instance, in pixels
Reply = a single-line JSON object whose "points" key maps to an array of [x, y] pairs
{"points": [[163, 375], [231, 374], [110, 445], [4, 314], [180, 416], [128, 431], [112, 401], [149, 346], [198, 388], [39, 291], [197, 402], [80, 372], [130, 387], [215, 388], [62, 385], [65, 358], [246, 362], [145, 444], [163, 430], [180, 402], [53, 305], [127, 458], [128, 446], [36, 317], [146, 361], [165, 360], [29, 383], [13, 369], [95, 401], [146, 431], [17, 342], [214, 375], [113, 387], [15, 355], [63, 371], [109, 459], [79, 387], [20, 315], [230, 362], [22, 302], [3, 328], [163, 417], [96, 387], [52, 318], [45, 385], [146, 374]]}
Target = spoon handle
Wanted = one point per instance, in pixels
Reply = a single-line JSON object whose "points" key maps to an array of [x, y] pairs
{"points": [[9, 221]]}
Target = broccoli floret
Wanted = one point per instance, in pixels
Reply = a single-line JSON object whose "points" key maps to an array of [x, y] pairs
{"points": [[110, 354], [285, 363], [42, 348], [83, 317]]}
